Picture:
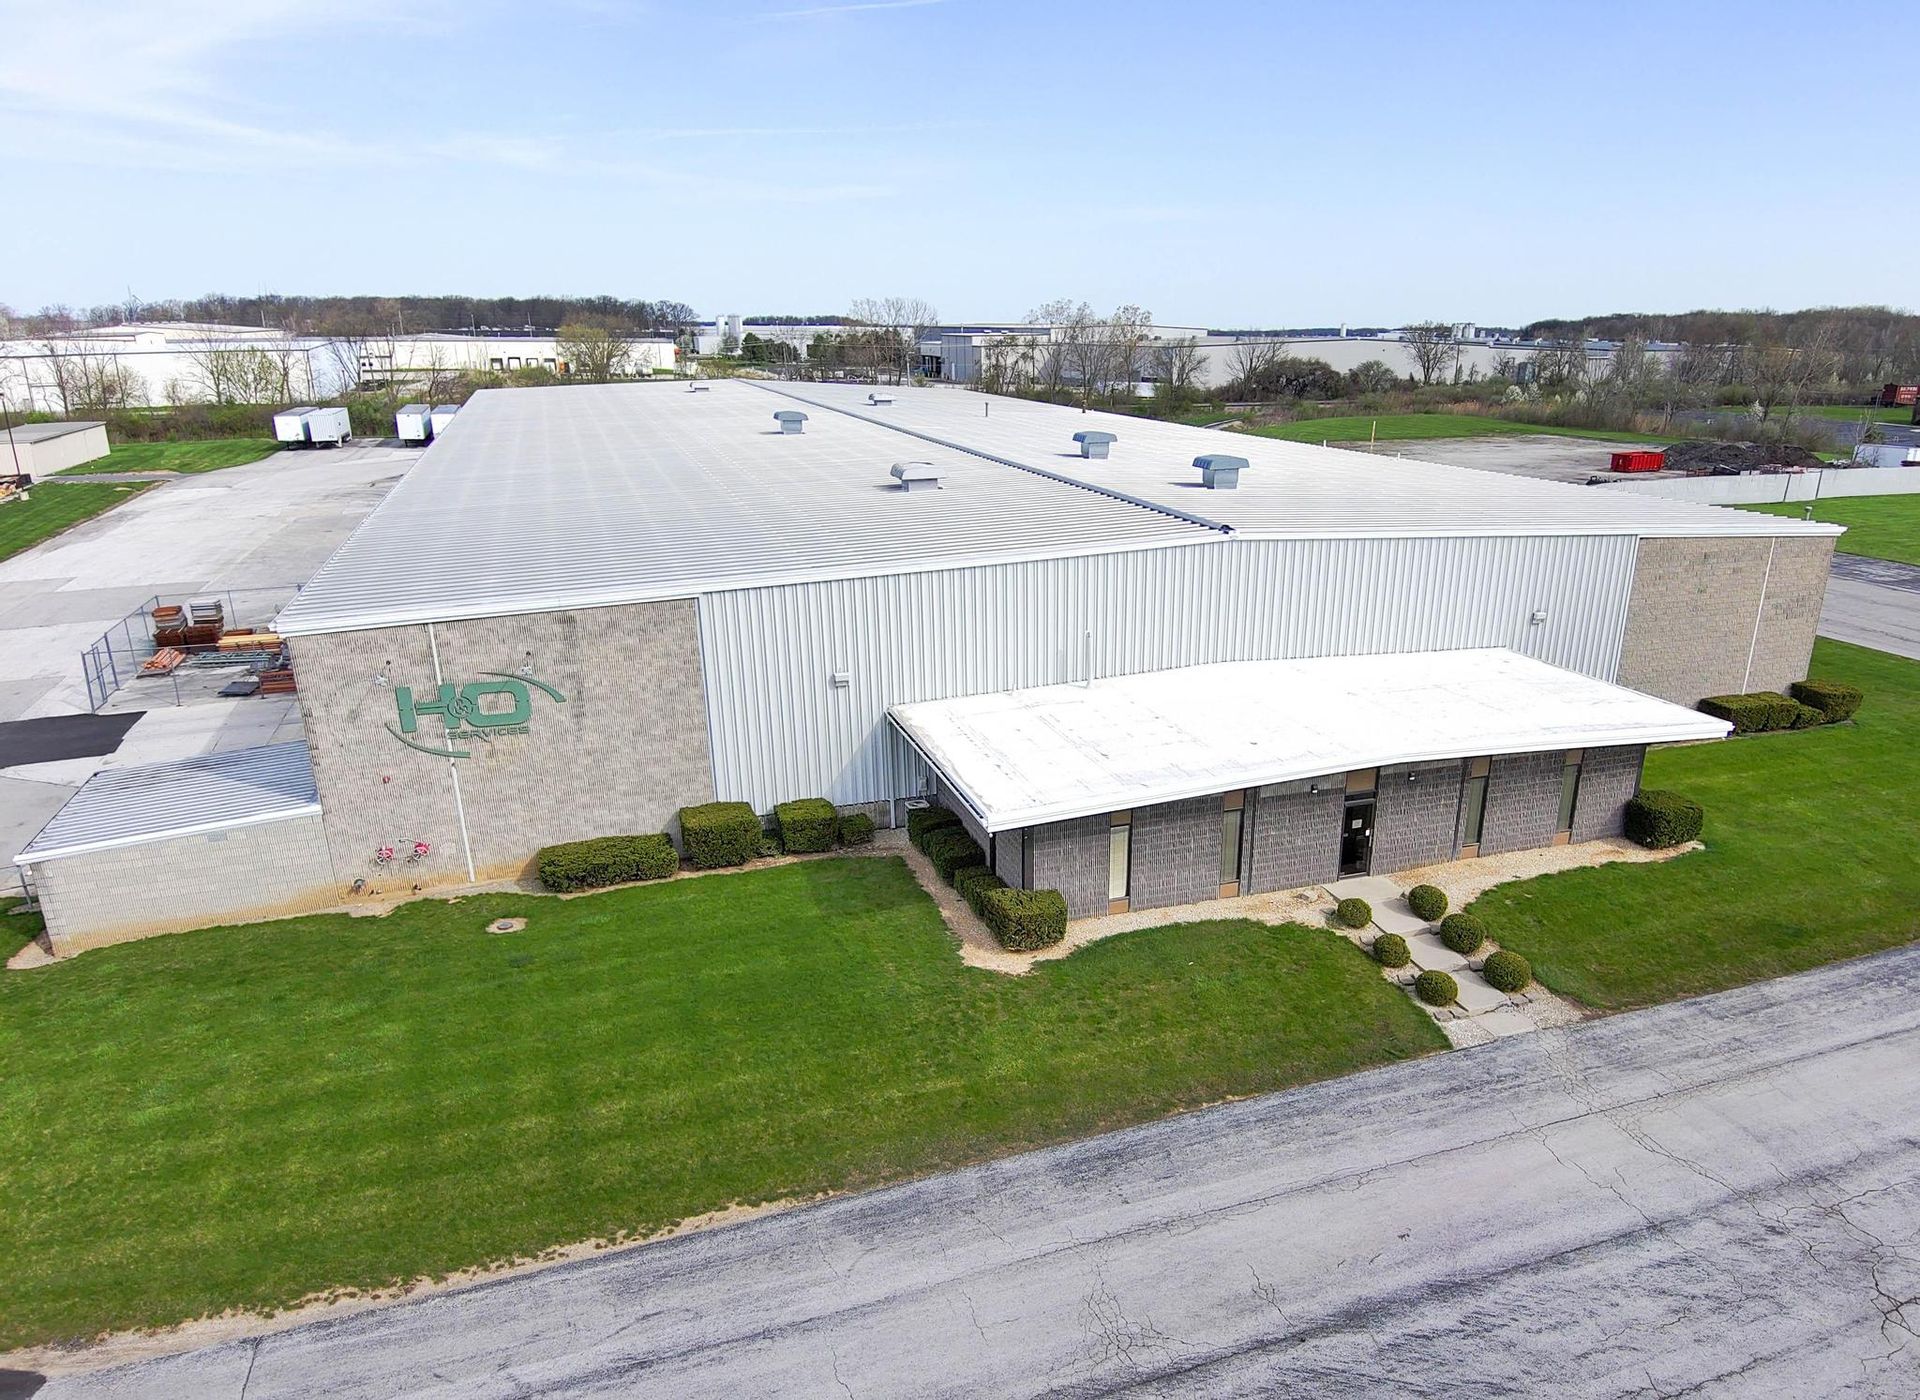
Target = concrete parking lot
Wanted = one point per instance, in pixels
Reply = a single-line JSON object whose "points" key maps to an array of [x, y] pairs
{"points": [[254, 533]]}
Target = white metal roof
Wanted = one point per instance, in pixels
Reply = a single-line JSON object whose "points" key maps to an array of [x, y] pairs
{"points": [[157, 801], [1290, 489], [1023, 757], [46, 432], [590, 495]]}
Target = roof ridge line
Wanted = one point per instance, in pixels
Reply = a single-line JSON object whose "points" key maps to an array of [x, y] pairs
{"points": [[1172, 511]]}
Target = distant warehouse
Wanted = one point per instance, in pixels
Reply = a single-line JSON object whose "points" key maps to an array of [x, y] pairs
{"points": [[1140, 680]]}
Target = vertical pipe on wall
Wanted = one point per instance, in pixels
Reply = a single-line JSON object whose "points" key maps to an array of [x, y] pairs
{"points": [[1759, 611], [453, 767]]}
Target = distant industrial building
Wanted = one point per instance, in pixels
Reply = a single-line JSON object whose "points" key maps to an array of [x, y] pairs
{"points": [[150, 364], [412, 358], [1139, 680]]}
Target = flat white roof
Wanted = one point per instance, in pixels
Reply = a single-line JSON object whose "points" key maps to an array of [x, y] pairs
{"points": [[1290, 489], [1019, 758], [589, 495], [184, 797], [45, 432]]}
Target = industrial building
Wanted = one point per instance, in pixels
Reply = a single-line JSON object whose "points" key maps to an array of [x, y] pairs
{"points": [[1139, 680]]}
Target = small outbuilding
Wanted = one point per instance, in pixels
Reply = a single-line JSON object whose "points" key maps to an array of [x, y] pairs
{"points": [[41, 449]]}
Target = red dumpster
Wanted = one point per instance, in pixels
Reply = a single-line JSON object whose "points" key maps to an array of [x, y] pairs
{"points": [[1639, 461]]}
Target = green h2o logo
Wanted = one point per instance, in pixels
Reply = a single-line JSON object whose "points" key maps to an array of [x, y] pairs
{"points": [[460, 709]]}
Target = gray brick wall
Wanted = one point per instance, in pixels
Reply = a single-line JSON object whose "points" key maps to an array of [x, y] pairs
{"points": [[1007, 857], [1414, 823], [1691, 615], [1608, 778], [1523, 802], [626, 750], [1295, 834], [1071, 857], [222, 877], [1176, 853]]}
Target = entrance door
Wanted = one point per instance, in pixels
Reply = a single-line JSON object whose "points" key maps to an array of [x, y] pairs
{"points": [[1356, 837]]}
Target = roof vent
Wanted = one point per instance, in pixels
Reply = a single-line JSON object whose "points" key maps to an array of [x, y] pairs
{"points": [[879, 398], [917, 476], [1095, 444], [790, 420], [1219, 472], [698, 388]]}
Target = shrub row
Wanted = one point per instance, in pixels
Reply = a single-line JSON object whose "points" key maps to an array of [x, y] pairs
{"points": [[1436, 989], [1658, 819], [1428, 902], [1353, 913], [807, 824], [606, 860], [971, 883], [1463, 933], [1507, 972], [1834, 701], [856, 829], [1390, 950], [1761, 712], [949, 848], [922, 822]]}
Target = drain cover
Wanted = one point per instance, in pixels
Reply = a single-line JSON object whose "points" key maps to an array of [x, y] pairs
{"points": [[506, 925]]}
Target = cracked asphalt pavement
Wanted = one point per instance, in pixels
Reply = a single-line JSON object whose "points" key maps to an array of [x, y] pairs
{"points": [[1714, 1198]]}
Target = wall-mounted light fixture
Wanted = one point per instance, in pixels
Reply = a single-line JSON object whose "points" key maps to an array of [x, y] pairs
{"points": [[384, 677], [526, 668]]}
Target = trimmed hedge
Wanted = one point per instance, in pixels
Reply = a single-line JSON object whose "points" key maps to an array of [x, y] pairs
{"points": [[606, 860], [720, 833], [1658, 819], [971, 883], [1025, 919], [1390, 950], [1463, 933], [856, 829], [1428, 902], [1507, 972], [922, 822], [1353, 913], [1436, 989], [1756, 712], [1806, 717], [807, 824], [949, 849], [1834, 701]]}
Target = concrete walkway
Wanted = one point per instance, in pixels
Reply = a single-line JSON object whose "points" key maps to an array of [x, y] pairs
{"points": [[1719, 1197]]}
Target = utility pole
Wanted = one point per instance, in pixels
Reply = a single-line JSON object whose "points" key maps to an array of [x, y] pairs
{"points": [[14, 447]]}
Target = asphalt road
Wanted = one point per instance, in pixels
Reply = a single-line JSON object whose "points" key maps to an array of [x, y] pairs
{"points": [[1720, 1197], [1874, 602]]}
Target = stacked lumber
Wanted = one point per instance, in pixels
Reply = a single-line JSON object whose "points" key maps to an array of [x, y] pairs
{"points": [[277, 682], [162, 662]]}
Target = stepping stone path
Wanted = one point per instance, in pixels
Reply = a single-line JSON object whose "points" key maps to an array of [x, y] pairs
{"points": [[1487, 1006]]}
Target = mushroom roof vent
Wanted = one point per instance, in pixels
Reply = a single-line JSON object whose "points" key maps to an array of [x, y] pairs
{"points": [[1220, 472], [879, 398], [1095, 444], [791, 420], [916, 476]]}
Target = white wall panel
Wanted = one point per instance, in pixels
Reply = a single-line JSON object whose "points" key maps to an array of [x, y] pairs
{"points": [[781, 729]]}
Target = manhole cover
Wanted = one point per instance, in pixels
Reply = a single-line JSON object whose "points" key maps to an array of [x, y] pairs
{"points": [[506, 925]]}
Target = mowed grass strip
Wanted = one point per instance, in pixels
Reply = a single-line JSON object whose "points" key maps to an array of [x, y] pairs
{"points": [[1881, 527], [213, 455], [53, 507], [242, 1117], [1810, 842], [1416, 427]]}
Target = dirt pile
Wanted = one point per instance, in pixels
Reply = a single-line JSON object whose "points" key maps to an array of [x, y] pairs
{"points": [[1706, 455]]}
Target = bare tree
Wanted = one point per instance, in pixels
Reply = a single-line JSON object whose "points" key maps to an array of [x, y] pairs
{"points": [[905, 320], [1124, 333], [88, 381], [1251, 362], [1176, 366], [593, 353], [1432, 348]]}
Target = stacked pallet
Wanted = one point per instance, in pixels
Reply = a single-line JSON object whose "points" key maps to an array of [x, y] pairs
{"points": [[169, 625], [277, 682], [206, 622]]}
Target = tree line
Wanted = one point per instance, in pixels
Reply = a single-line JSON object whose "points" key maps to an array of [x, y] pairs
{"points": [[364, 315]]}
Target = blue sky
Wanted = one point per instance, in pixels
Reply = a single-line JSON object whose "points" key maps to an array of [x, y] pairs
{"points": [[1218, 163]]}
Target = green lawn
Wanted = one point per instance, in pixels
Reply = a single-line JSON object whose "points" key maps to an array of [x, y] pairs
{"points": [[1884, 527], [208, 456], [1847, 413], [240, 1117], [52, 507], [1810, 857], [1415, 427]]}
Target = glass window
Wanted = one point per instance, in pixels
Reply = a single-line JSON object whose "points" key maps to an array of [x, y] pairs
{"points": [[1230, 846], [1119, 857], [1361, 781], [1476, 814], [1569, 789]]}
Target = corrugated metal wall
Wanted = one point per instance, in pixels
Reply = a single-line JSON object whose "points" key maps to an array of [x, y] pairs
{"points": [[781, 729]]}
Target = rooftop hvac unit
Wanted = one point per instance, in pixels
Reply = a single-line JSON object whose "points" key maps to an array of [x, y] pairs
{"points": [[916, 476], [791, 420], [1219, 472], [1095, 444], [879, 398]]}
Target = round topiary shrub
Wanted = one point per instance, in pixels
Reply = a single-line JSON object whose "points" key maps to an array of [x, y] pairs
{"points": [[1428, 902], [1436, 989], [1507, 972], [1462, 933], [1353, 913], [1390, 950]]}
